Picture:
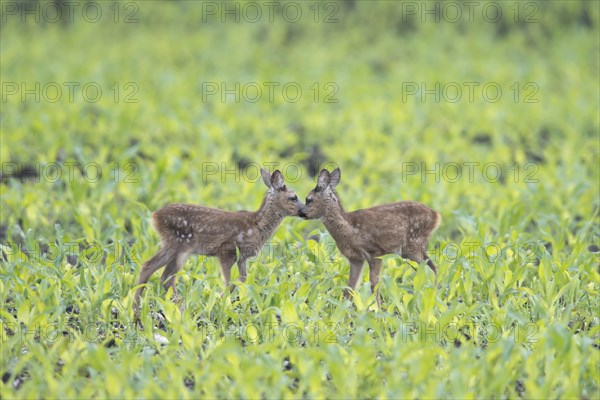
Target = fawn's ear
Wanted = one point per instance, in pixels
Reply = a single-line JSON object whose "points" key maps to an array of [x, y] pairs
{"points": [[277, 180], [323, 180], [335, 177], [266, 177]]}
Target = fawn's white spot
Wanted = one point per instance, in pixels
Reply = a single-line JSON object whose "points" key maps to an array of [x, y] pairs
{"points": [[240, 237], [183, 235], [182, 222]]}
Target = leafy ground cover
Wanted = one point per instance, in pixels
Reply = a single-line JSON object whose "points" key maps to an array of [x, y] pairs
{"points": [[491, 119]]}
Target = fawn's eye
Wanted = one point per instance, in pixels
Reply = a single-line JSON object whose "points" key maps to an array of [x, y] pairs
{"points": [[308, 201], [294, 198]]}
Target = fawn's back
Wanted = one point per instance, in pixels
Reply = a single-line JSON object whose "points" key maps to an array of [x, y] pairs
{"points": [[390, 228], [202, 229]]}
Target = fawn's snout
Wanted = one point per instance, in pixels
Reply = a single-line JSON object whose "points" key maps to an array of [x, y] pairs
{"points": [[302, 212], [290, 204]]}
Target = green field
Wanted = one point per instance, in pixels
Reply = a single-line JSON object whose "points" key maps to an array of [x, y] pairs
{"points": [[488, 113]]}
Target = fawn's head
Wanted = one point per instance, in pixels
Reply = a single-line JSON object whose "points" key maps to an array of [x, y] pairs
{"points": [[322, 196], [283, 199]]}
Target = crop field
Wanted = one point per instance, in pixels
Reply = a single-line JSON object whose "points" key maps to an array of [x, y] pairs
{"points": [[487, 112]]}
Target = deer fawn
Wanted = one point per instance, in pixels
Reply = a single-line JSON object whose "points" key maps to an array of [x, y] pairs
{"points": [[187, 229], [402, 228]]}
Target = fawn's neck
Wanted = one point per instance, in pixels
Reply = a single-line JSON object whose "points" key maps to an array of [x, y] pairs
{"points": [[266, 219], [336, 222]]}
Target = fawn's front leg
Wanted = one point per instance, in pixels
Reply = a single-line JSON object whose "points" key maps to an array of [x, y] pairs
{"points": [[242, 268], [227, 258], [241, 262], [374, 271], [355, 270]]}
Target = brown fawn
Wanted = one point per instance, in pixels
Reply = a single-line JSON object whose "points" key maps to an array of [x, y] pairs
{"points": [[187, 229], [401, 228]]}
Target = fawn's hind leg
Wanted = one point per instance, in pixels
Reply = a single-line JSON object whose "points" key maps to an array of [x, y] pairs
{"points": [[168, 277], [429, 262], [425, 258], [418, 254], [151, 266]]}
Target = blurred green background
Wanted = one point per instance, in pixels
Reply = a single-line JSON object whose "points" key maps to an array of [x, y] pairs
{"points": [[161, 99], [170, 51]]}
